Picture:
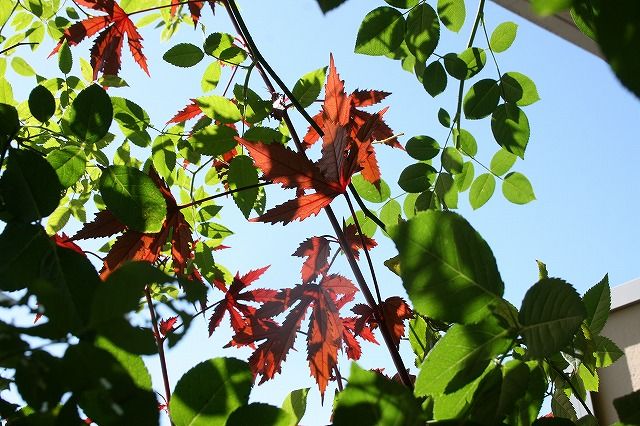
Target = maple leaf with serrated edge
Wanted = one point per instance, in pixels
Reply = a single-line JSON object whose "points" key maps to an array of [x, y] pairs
{"points": [[166, 326], [355, 240], [192, 110], [195, 8], [106, 52], [240, 313], [328, 177], [316, 252], [324, 336], [394, 312], [349, 334]]}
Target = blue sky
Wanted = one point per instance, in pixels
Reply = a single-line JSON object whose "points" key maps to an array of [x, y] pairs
{"points": [[580, 159]]}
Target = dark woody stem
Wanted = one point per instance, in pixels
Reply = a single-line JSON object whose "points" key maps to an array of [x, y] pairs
{"points": [[222, 194], [160, 345]]}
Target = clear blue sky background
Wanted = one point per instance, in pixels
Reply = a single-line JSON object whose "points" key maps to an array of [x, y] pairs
{"points": [[581, 160]]}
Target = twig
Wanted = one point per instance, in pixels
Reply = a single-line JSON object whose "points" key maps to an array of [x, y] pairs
{"points": [[24, 43], [160, 345], [222, 194]]}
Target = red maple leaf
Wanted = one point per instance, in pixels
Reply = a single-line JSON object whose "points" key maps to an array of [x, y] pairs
{"points": [[355, 240], [328, 177], [195, 8], [349, 334], [316, 251], [324, 336], [166, 326], [64, 241], [134, 245], [106, 52], [240, 313], [394, 312], [192, 110]]}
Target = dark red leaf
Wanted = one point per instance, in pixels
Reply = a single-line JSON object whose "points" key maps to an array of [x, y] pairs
{"points": [[104, 224], [64, 241], [365, 98], [316, 251], [187, 113], [166, 326], [355, 240]]}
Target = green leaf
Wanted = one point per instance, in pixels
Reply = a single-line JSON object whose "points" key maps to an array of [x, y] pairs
{"points": [[391, 213], [517, 188], [368, 226], [628, 408], [252, 107], [372, 399], [518, 88], [503, 36], [606, 352], [308, 87], [27, 255], [69, 163], [561, 406], [29, 186], [423, 31], [510, 128], [447, 268], [163, 155], [528, 407], [460, 356], [90, 114], [9, 121], [597, 301], [403, 4], [444, 118], [446, 191], [542, 270], [209, 392], [296, 404], [434, 78], [515, 382], [465, 142], [112, 81], [65, 58], [416, 177], [243, 173], [421, 338], [132, 363], [327, 5], [42, 104], [465, 65], [39, 378], [221, 46], [211, 77], [502, 161], [464, 179], [214, 140], [268, 414], [452, 13], [264, 135], [482, 190], [22, 67], [452, 160], [184, 55], [133, 120], [219, 108], [481, 99], [369, 192], [551, 314], [381, 32], [550, 7], [422, 147], [133, 198]]}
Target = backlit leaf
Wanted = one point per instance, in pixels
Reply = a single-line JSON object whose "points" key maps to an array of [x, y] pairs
{"points": [[518, 88], [510, 127], [597, 301], [308, 87], [42, 104], [416, 177], [434, 78], [422, 147], [503, 36], [465, 65], [369, 192], [268, 414], [242, 173], [517, 188], [502, 161], [423, 31], [219, 108], [184, 55], [90, 114], [482, 190], [69, 162], [481, 99], [452, 13], [381, 32]]}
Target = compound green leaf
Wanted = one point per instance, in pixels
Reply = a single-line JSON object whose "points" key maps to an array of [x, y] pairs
{"points": [[422, 147], [452, 13], [184, 55], [381, 32], [42, 104], [481, 190], [90, 114], [416, 177], [518, 88], [434, 78], [447, 268], [517, 188], [133, 198], [242, 173], [69, 162], [370, 398], [481, 99], [308, 87], [502, 162], [209, 392], [423, 31], [551, 314], [466, 64], [503, 36], [510, 127], [221, 46]]}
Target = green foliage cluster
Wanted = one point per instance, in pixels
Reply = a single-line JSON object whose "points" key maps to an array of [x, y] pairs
{"points": [[480, 360]]}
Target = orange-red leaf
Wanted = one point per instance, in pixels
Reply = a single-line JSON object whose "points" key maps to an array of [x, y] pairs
{"points": [[166, 326], [316, 251], [133, 245], [355, 240], [104, 224], [106, 52], [64, 241], [192, 110], [195, 8], [337, 104], [298, 208], [365, 98], [395, 311]]}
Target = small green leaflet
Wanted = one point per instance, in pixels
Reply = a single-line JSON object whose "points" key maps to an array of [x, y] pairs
{"points": [[434, 78], [248, 414], [42, 104], [465, 65], [465, 142], [503, 36], [381, 32], [422, 147], [65, 58], [220, 45], [403, 4], [481, 99], [391, 213], [481, 190], [69, 162], [597, 301], [211, 77], [517, 188], [518, 88], [219, 108], [416, 177], [90, 114], [163, 155], [308, 87], [133, 198], [296, 404], [452, 160], [423, 31], [183, 55], [22, 67], [369, 192], [464, 179], [502, 161], [452, 13], [510, 127], [214, 140], [242, 173]]}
